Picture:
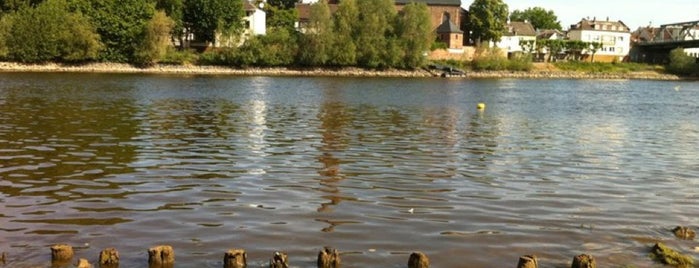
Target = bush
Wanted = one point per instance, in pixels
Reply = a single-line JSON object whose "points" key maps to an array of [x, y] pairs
{"points": [[49, 32], [179, 57], [682, 64], [155, 41], [520, 63]]}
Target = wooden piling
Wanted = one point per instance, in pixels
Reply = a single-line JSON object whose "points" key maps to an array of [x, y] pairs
{"points": [[528, 261], [109, 257], [418, 260], [61, 253], [684, 232], [235, 258], [161, 256], [279, 260], [3, 258], [584, 261], [83, 263], [328, 258]]}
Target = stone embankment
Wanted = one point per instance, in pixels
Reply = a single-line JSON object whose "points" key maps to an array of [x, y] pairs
{"points": [[310, 72]]}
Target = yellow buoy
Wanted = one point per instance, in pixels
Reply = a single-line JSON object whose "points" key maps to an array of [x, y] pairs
{"points": [[481, 106]]}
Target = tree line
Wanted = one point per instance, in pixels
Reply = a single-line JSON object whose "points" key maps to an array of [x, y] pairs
{"points": [[364, 33]]}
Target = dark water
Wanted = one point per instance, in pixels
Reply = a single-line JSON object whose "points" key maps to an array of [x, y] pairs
{"points": [[377, 168]]}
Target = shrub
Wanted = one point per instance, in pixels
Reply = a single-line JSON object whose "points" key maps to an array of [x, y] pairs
{"points": [[181, 57], [49, 32], [681, 63]]}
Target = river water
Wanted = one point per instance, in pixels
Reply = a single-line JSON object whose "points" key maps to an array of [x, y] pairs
{"points": [[377, 168]]}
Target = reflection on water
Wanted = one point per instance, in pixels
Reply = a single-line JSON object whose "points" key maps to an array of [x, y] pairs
{"points": [[375, 167]]}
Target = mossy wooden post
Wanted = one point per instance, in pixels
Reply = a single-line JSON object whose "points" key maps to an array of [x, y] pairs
{"points": [[279, 260], [684, 232], [235, 258], [584, 261], [328, 258], [418, 260], [83, 263], [3, 258], [109, 257], [528, 261], [161, 256], [61, 253]]}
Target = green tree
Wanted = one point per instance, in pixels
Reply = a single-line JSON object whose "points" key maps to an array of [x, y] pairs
{"points": [[156, 39], [206, 18], [539, 17], [376, 34], [415, 34], [594, 47], [344, 50], [487, 20], [174, 9], [281, 17], [284, 4], [681, 63], [7, 6], [120, 24], [318, 37], [50, 32]]}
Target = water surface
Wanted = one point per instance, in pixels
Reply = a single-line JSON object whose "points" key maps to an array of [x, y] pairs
{"points": [[377, 168]]}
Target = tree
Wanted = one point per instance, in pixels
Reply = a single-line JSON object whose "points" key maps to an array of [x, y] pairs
{"points": [[539, 17], [120, 24], [376, 18], [49, 32], [487, 20], [594, 47], [281, 17], [156, 39], [206, 18], [174, 9], [681, 63], [318, 36], [415, 34], [344, 50], [283, 4]]}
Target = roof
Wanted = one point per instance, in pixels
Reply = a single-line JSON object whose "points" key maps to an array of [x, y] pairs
{"points": [[448, 27], [600, 25], [431, 2], [548, 33], [520, 28]]}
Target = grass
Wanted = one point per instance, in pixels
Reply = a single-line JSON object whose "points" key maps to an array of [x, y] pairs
{"points": [[604, 67]]}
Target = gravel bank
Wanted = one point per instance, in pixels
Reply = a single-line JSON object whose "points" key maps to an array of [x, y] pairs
{"points": [[346, 72]]}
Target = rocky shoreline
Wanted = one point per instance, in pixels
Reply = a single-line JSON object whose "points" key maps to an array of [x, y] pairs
{"points": [[311, 72]]}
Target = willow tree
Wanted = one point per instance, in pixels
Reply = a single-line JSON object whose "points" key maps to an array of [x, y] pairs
{"points": [[487, 20], [415, 34], [318, 37], [344, 50], [376, 33]]}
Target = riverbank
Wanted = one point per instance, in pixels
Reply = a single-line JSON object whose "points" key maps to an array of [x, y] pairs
{"points": [[539, 72]]}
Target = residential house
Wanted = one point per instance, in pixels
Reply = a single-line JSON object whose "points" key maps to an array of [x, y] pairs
{"points": [[614, 36], [516, 32], [254, 23], [541, 51]]}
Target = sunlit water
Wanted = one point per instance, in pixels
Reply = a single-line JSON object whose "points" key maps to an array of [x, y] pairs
{"points": [[377, 168]]}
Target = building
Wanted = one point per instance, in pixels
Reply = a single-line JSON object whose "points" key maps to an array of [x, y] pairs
{"points": [[515, 34], [614, 36], [254, 23]]}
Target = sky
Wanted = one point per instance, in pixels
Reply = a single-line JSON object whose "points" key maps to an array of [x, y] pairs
{"points": [[634, 13]]}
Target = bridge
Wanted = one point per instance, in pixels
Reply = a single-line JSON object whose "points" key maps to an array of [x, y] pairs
{"points": [[667, 37]]}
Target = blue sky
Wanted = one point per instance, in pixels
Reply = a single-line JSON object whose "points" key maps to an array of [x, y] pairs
{"points": [[632, 13]]}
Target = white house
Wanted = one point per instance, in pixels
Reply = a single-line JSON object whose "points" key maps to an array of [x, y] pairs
{"points": [[516, 32], [614, 36], [254, 23]]}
